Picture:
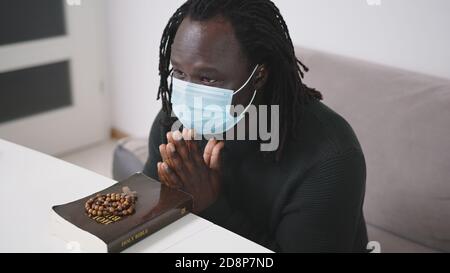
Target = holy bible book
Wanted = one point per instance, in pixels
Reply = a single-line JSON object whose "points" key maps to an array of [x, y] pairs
{"points": [[121, 215]]}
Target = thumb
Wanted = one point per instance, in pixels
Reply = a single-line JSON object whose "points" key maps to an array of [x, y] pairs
{"points": [[216, 158]]}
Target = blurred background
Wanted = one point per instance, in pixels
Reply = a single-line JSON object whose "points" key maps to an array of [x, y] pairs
{"points": [[77, 76]]}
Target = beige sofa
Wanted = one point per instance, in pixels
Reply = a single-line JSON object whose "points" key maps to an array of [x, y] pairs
{"points": [[403, 122]]}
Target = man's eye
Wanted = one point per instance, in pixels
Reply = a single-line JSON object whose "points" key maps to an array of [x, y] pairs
{"points": [[207, 80], [177, 73]]}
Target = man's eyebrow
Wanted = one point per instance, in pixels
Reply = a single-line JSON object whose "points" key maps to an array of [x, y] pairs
{"points": [[207, 69], [200, 68]]}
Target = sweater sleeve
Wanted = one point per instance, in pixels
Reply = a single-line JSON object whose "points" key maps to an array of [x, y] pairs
{"points": [[156, 138], [324, 212], [321, 215]]}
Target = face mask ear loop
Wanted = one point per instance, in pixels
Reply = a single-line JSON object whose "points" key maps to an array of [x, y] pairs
{"points": [[171, 85], [246, 108], [250, 103], [249, 78]]}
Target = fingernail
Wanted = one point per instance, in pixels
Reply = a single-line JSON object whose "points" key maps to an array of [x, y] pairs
{"points": [[177, 135], [191, 134], [171, 147], [185, 134]]}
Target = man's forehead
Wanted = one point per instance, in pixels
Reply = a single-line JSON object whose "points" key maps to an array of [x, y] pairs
{"points": [[212, 40]]}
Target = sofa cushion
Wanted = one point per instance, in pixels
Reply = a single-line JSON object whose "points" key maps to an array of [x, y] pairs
{"points": [[392, 243], [402, 120], [130, 155]]}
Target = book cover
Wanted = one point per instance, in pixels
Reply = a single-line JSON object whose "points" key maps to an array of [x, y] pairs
{"points": [[124, 213]]}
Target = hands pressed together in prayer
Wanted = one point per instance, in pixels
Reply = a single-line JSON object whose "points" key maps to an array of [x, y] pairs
{"points": [[185, 167]]}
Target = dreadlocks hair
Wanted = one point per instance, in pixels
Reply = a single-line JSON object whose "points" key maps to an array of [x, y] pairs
{"points": [[264, 39]]}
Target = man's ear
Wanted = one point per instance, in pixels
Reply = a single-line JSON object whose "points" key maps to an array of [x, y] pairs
{"points": [[261, 75]]}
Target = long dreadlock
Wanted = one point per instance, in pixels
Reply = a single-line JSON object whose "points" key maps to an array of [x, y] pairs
{"points": [[264, 38]]}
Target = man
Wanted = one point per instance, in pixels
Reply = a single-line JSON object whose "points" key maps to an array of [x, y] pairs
{"points": [[304, 196]]}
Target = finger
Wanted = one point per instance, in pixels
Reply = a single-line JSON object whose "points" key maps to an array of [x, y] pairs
{"points": [[163, 153], [178, 164], [216, 166], [170, 140], [186, 133], [171, 176], [183, 151], [208, 150], [194, 149], [216, 162], [165, 179], [169, 137], [186, 138], [161, 175], [180, 145]]}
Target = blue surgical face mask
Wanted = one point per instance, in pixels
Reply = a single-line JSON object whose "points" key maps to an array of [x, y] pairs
{"points": [[205, 109]]}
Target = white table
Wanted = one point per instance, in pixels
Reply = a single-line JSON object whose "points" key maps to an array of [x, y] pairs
{"points": [[32, 182]]}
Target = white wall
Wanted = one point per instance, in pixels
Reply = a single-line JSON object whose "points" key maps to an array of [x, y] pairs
{"points": [[135, 29], [411, 34]]}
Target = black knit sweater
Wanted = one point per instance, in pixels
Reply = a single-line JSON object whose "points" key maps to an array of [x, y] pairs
{"points": [[309, 201]]}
